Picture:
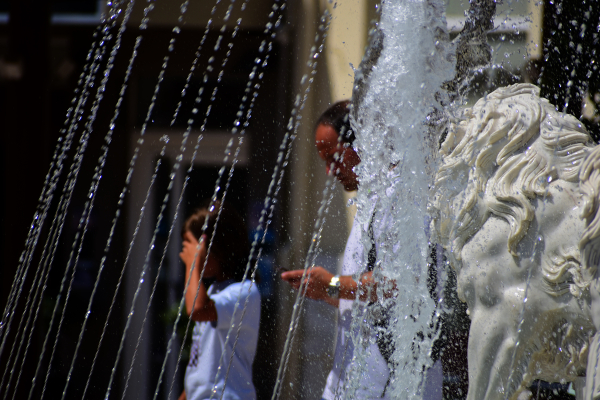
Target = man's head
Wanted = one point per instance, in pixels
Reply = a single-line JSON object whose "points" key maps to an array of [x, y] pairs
{"points": [[334, 138]]}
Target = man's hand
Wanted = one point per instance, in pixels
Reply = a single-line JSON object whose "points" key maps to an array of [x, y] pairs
{"points": [[315, 282]]}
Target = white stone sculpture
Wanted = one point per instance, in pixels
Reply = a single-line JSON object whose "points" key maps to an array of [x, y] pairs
{"points": [[508, 211], [589, 244]]}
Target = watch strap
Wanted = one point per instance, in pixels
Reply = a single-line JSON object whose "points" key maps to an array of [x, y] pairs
{"points": [[333, 289]]}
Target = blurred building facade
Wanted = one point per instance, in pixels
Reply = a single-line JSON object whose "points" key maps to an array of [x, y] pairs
{"points": [[43, 51]]}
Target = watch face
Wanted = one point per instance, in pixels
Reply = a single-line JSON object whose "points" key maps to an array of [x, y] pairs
{"points": [[333, 291]]}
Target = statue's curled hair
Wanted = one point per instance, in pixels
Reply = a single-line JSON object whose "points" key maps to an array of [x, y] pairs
{"points": [[499, 156]]}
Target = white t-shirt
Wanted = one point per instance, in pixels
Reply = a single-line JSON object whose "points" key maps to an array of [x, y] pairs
{"points": [[373, 373], [208, 345]]}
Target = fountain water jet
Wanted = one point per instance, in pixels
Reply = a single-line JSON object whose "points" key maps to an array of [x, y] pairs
{"points": [[398, 156], [414, 170]]}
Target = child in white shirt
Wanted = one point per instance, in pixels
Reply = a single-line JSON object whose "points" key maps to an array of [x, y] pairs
{"points": [[230, 302]]}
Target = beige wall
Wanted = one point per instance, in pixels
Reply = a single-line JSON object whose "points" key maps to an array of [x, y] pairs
{"points": [[346, 41], [345, 44]]}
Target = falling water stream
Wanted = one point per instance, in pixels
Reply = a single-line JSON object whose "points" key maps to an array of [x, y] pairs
{"points": [[285, 149], [399, 122], [64, 143], [398, 158], [313, 249], [58, 221]]}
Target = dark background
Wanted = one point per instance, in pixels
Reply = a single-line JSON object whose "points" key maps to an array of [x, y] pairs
{"points": [[40, 64]]}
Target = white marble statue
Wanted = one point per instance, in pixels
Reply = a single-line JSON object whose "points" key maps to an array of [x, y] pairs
{"points": [[510, 214], [589, 244]]}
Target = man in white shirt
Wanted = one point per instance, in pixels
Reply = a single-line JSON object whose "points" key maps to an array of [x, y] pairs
{"points": [[333, 138]]}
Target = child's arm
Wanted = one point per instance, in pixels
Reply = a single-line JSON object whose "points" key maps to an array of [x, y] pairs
{"points": [[194, 253]]}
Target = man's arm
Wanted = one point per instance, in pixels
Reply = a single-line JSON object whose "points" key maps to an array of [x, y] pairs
{"points": [[317, 280]]}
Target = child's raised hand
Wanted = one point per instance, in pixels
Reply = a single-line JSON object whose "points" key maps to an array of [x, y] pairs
{"points": [[192, 251]]}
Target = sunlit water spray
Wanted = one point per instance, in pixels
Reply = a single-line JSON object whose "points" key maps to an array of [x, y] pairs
{"points": [[398, 159], [174, 172], [242, 120], [310, 259], [50, 183], [73, 116]]}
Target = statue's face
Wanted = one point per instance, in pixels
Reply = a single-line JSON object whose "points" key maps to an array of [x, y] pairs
{"points": [[555, 229], [494, 284]]}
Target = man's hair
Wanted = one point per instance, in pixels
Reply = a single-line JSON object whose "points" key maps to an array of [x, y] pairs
{"points": [[229, 240], [498, 158], [338, 117]]}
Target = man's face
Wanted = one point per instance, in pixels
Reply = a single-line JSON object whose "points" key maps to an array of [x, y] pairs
{"points": [[340, 158]]}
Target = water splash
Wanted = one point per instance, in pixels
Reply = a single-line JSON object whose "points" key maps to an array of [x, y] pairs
{"points": [[398, 160]]}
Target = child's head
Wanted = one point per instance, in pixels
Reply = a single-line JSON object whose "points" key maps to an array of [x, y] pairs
{"points": [[230, 241]]}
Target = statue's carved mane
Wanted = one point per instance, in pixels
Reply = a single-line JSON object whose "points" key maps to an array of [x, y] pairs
{"points": [[497, 158], [589, 177]]}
